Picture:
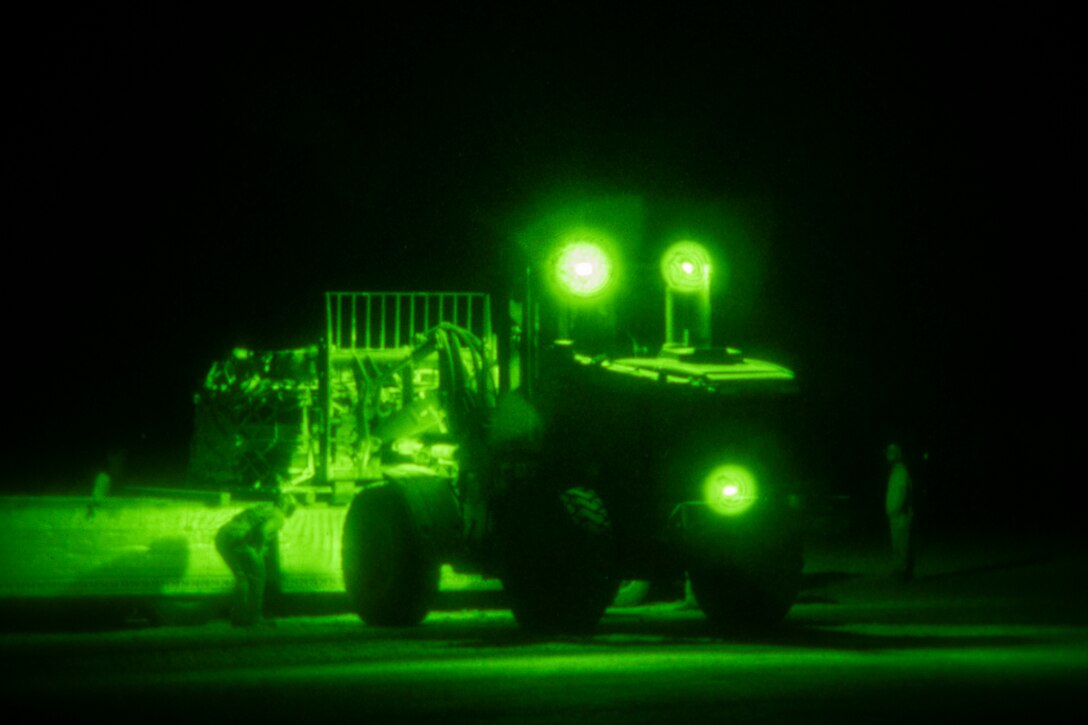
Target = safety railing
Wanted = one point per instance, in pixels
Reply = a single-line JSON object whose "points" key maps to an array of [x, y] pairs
{"points": [[384, 320]]}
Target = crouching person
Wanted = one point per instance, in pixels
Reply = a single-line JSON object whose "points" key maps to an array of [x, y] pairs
{"points": [[243, 543]]}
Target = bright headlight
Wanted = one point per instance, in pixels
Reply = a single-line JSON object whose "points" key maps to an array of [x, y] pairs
{"points": [[730, 489], [583, 269], [686, 267]]}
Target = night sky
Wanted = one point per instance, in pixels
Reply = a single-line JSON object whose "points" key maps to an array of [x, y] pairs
{"points": [[190, 182]]}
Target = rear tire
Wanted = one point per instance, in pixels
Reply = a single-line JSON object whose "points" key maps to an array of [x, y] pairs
{"points": [[389, 580]]}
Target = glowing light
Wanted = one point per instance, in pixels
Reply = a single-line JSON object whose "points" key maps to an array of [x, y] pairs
{"points": [[686, 267], [730, 489], [583, 269]]}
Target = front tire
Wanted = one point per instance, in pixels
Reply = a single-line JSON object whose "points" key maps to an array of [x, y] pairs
{"points": [[388, 579], [750, 592], [557, 576], [632, 593]]}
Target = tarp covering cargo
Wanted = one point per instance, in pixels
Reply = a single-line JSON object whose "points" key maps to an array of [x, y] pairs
{"points": [[252, 420]]}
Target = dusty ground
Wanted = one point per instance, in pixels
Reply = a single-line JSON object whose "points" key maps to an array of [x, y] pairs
{"points": [[991, 628]]}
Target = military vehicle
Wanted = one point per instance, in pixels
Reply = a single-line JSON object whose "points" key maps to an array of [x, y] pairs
{"points": [[537, 446]]}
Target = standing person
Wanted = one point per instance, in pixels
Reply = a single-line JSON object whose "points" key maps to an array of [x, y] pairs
{"points": [[243, 543], [899, 506], [106, 478]]}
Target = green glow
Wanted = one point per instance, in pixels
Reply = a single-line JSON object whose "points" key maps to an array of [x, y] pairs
{"points": [[583, 269], [686, 267], [730, 489]]}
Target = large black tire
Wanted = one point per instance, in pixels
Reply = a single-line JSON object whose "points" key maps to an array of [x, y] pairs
{"points": [[632, 592], [557, 575], [389, 580], [749, 591]]}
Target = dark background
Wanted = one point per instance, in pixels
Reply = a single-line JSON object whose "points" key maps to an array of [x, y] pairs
{"points": [[190, 181]]}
